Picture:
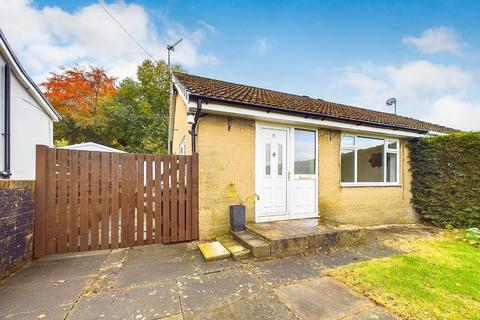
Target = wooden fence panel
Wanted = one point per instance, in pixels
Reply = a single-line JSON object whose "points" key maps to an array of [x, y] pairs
{"points": [[88, 200], [140, 198], [165, 199], [73, 194], [115, 207], [158, 200], [149, 198], [62, 200], [105, 200]]}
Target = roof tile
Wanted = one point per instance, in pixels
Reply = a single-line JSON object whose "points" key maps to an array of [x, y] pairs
{"points": [[244, 94]]}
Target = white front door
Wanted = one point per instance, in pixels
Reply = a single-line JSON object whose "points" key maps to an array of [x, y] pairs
{"points": [[286, 173], [271, 172]]}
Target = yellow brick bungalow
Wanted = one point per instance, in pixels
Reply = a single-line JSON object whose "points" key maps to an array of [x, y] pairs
{"points": [[303, 157]]}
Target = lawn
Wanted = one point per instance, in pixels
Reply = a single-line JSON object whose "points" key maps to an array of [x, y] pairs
{"points": [[440, 279]]}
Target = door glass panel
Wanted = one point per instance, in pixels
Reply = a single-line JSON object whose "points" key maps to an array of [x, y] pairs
{"points": [[348, 165], [280, 160], [370, 159], [304, 152], [267, 159], [391, 167]]}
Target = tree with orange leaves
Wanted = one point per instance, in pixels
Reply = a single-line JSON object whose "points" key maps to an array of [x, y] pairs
{"points": [[79, 94]]}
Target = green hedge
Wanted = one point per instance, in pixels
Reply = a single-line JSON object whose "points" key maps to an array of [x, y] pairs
{"points": [[446, 179]]}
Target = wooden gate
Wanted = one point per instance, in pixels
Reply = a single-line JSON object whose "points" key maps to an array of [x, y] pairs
{"points": [[88, 200]]}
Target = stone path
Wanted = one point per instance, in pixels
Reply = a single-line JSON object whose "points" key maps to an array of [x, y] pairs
{"points": [[173, 282]]}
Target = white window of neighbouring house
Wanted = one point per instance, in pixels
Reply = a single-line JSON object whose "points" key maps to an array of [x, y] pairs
{"points": [[368, 160], [304, 152], [182, 149]]}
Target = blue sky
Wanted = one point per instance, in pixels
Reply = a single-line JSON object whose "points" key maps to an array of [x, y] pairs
{"points": [[424, 53]]}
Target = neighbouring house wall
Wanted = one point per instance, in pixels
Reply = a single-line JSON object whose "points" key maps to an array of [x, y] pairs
{"points": [[224, 157], [30, 126], [181, 127], [229, 156], [361, 205], [17, 202]]}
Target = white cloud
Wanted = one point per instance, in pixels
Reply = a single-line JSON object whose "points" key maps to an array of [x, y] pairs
{"points": [[424, 90], [207, 26], [455, 112], [420, 77], [435, 40], [45, 38], [261, 45]]}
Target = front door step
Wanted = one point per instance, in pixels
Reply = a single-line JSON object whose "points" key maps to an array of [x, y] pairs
{"points": [[212, 251], [236, 249], [258, 247]]}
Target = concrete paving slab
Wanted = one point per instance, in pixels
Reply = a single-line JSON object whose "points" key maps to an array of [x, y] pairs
{"points": [[159, 252], [376, 313], [214, 288], [338, 258], [377, 250], [321, 298], [28, 301], [105, 278], [258, 307], [177, 316], [280, 271], [143, 267], [214, 250], [62, 267], [201, 266], [146, 302]]}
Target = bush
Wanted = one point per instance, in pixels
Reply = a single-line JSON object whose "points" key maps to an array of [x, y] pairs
{"points": [[446, 179], [470, 236]]}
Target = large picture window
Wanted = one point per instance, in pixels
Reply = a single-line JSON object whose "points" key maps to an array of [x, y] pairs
{"points": [[368, 160]]}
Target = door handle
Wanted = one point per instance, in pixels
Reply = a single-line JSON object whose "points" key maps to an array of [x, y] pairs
{"points": [[289, 174]]}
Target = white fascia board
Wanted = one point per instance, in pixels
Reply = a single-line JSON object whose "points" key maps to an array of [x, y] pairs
{"points": [[181, 89], [272, 116], [26, 82]]}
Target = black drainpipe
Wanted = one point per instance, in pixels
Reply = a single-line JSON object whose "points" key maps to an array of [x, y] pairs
{"points": [[193, 130], [6, 134]]}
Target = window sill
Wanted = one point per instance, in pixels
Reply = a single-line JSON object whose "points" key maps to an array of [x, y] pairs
{"points": [[369, 184]]}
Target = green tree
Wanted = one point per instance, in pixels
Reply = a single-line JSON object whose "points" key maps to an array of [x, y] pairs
{"points": [[138, 114]]}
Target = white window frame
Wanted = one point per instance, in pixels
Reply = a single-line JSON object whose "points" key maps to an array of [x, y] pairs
{"points": [[386, 150]]}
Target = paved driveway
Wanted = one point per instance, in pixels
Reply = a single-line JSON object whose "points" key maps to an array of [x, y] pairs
{"points": [[173, 282]]}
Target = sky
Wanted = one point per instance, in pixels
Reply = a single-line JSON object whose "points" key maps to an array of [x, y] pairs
{"points": [[426, 54]]}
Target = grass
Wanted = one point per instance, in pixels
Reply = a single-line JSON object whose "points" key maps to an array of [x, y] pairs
{"points": [[439, 280]]}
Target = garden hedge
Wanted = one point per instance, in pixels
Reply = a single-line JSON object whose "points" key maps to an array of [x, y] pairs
{"points": [[446, 179]]}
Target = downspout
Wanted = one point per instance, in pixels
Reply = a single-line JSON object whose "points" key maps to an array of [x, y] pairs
{"points": [[193, 130], [6, 134]]}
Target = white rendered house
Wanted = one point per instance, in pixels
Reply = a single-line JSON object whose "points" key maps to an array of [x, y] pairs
{"points": [[26, 117]]}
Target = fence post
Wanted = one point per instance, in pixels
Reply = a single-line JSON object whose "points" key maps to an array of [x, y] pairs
{"points": [[195, 209], [40, 201]]}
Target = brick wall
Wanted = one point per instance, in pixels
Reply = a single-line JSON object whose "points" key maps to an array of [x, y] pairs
{"points": [[17, 204]]}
